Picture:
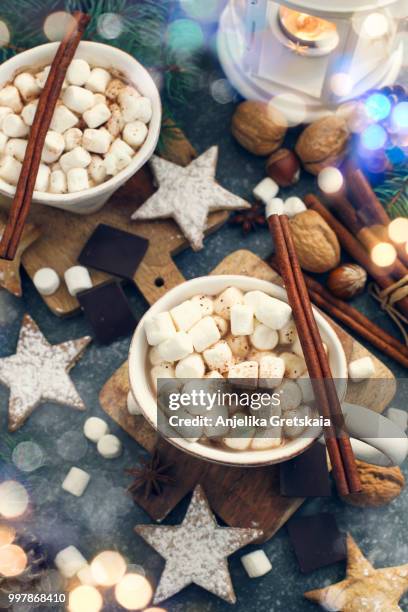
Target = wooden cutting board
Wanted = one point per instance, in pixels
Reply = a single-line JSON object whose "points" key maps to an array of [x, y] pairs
{"points": [[242, 497]]}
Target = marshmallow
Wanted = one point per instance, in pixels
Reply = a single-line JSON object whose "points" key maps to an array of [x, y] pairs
{"points": [[77, 279], [69, 561], [13, 126], [96, 141], [41, 77], [256, 564], [100, 99], [77, 158], [135, 133], [361, 369], [294, 365], [185, 315], [266, 190], [98, 80], [288, 333], [272, 312], [109, 446], [293, 430], [3, 142], [165, 370], [115, 123], [119, 147], [73, 138], [78, 72], [228, 298], [76, 481], [10, 169], [175, 348], [218, 357], [142, 110], [306, 387], [221, 323], [239, 345], [78, 99], [97, 115], [77, 180], [58, 182], [95, 428], [242, 320], [252, 298], [297, 347], [97, 169], [154, 357], [204, 333], [16, 147], [158, 328], [205, 302], [110, 163], [244, 441], [46, 281], [265, 439], [113, 88], [27, 86], [264, 338], [4, 111], [255, 355], [293, 206], [191, 366], [9, 96], [271, 371], [290, 395], [213, 374], [274, 207], [212, 430], [127, 98], [247, 371], [399, 417], [132, 405], [85, 576], [53, 147], [43, 178], [63, 119]]}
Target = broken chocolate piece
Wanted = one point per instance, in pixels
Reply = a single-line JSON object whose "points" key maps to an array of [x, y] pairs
{"points": [[108, 311], [114, 251], [317, 541], [306, 475]]}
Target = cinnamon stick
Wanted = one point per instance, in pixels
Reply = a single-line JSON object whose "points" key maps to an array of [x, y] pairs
{"points": [[43, 116]]}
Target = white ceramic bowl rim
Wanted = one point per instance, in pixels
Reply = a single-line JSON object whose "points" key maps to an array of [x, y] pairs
{"points": [[141, 388], [16, 63]]}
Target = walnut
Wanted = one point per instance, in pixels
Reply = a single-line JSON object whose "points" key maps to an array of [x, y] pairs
{"points": [[259, 127], [380, 485], [323, 143], [316, 244]]}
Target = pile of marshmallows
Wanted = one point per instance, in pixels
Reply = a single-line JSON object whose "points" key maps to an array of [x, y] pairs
{"points": [[99, 124], [267, 190]]}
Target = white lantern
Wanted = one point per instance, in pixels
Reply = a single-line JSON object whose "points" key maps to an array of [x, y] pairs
{"points": [[310, 56]]}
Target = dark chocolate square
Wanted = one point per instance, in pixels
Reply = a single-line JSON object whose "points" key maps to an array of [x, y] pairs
{"points": [[107, 310], [317, 541], [306, 475], [114, 251]]}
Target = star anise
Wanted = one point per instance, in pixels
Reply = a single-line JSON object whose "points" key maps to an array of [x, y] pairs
{"points": [[250, 218], [151, 476], [297, 47]]}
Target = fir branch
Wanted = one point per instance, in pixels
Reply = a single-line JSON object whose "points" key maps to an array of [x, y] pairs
{"points": [[393, 192]]}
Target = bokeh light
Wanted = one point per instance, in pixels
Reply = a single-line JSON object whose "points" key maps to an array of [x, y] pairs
{"points": [[133, 592], [110, 25], [57, 24], [341, 84], [398, 230], [375, 26], [400, 116], [14, 499], [28, 456], [203, 10], [222, 91], [7, 535], [374, 137], [108, 568], [85, 599], [383, 254], [155, 610], [4, 34], [330, 180], [378, 107], [13, 560], [185, 36]]}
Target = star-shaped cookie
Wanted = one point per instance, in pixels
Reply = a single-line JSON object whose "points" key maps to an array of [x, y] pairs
{"points": [[38, 372], [196, 551], [188, 194], [364, 588]]}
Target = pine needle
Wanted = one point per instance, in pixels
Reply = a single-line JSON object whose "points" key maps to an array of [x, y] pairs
{"points": [[393, 192]]}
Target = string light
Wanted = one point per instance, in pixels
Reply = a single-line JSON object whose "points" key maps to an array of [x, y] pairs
{"points": [[400, 116], [398, 230], [14, 499], [383, 254], [185, 36], [374, 137], [7, 535], [378, 107], [375, 26], [133, 592], [85, 599], [108, 568], [57, 24], [13, 560], [330, 180]]}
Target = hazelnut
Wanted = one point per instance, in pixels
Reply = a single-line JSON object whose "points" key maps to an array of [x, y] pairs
{"points": [[347, 281], [316, 244], [323, 143], [379, 485], [283, 167], [259, 127]]}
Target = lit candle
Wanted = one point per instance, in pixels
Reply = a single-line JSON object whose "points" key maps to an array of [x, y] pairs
{"points": [[108, 568], [383, 254], [7, 535], [13, 499], [134, 592], [13, 560], [308, 29], [85, 599], [398, 230]]}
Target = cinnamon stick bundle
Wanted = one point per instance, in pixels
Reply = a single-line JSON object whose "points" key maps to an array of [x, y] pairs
{"points": [[43, 116]]}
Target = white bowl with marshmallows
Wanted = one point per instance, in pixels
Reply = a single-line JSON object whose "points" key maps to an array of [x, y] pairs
{"points": [[229, 327], [105, 127]]}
